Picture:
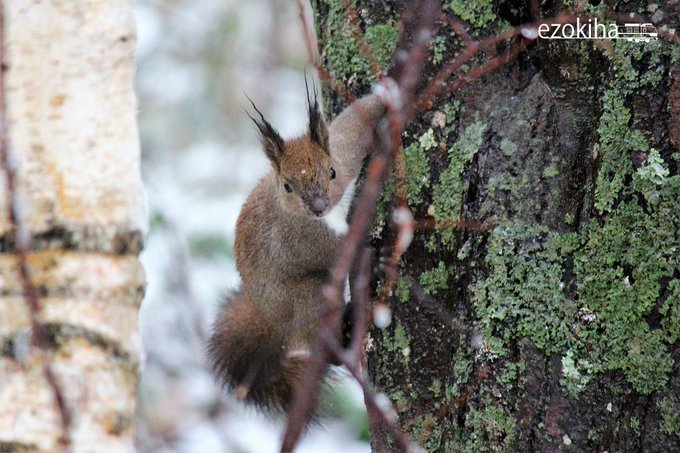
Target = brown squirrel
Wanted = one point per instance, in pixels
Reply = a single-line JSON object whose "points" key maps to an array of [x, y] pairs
{"points": [[287, 236]]}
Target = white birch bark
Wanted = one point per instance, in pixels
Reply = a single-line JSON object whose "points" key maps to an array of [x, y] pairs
{"points": [[73, 136]]}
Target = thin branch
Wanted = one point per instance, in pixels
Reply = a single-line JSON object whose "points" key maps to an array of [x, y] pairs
{"points": [[324, 74], [360, 286], [438, 83], [473, 48], [397, 92], [534, 11], [403, 218], [22, 246], [360, 290], [364, 47], [383, 409], [491, 65], [458, 27], [463, 224]]}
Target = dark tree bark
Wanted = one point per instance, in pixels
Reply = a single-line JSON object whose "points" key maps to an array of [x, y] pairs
{"points": [[557, 328]]}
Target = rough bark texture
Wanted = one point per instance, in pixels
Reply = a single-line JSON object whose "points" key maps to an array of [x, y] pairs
{"points": [[73, 137], [558, 329]]}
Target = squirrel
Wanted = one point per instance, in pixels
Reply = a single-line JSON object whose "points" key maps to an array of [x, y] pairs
{"points": [[287, 235]]}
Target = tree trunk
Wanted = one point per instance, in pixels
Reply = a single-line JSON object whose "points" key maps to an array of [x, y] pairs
{"points": [[555, 329], [72, 138]]}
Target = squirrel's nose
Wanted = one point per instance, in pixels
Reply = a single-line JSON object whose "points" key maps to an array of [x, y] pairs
{"points": [[319, 205]]}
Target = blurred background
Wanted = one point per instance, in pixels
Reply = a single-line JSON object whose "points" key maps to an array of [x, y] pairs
{"points": [[201, 157]]}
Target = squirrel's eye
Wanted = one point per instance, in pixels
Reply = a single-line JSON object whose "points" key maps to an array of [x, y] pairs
{"points": [[288, 188], [332, 173]]}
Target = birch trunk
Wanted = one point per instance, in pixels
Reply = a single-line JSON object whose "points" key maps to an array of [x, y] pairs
{"points": [[72, 136]]}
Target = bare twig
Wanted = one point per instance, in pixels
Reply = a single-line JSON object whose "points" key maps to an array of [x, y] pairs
{"points": [[490, 66], [375, 427], [534, 11], [458, 27], [463, 224], [22, 247], [438, 83], [360, 40], [324, 74], [360, 286], [473, 48], [383, 409], [397, 93]]}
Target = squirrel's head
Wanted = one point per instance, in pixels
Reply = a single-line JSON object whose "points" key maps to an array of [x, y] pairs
{"points": [[305, 170]]}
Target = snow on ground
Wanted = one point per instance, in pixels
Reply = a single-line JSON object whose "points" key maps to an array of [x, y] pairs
{"points": [[201, 158]]}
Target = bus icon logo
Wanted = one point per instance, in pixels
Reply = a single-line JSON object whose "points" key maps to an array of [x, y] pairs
{"points": [[637, 32]]}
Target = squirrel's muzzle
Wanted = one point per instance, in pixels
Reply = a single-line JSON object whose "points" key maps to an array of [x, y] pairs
{"points": [[319, 205]]}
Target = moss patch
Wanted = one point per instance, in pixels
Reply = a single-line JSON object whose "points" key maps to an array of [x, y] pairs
{"points": [[417, 172], [478, 13], [341, 51], [448, 194], [435, 279], [622, 270], [525, 287]]}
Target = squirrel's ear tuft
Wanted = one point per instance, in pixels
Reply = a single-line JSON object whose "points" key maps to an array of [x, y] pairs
{"points": [[270, 138], [318, 131]]}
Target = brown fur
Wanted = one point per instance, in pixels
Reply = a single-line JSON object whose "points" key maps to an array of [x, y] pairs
{"points": [[284, 251]]}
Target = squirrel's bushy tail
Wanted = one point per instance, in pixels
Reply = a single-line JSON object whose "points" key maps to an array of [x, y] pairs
{"points": [[248, 355]]}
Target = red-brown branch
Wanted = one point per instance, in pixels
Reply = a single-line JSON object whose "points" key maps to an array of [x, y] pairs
{"points": [[324, 74], [397, 93], [365, 49], [386, 412], [306, 393]]}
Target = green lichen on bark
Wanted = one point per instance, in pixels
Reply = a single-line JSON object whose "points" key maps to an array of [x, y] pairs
{"points": [[402, 290], [579, 283], [618, 140], [489, 428], [448, 193], [623, 268], [435, 279], [341, 50], [523, 294], [417, 168], [398, 341], [478, 14], [670, 415]]}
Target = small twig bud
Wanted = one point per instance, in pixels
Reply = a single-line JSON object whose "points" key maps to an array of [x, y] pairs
{"points": [[382, 316], [529, 32]]}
